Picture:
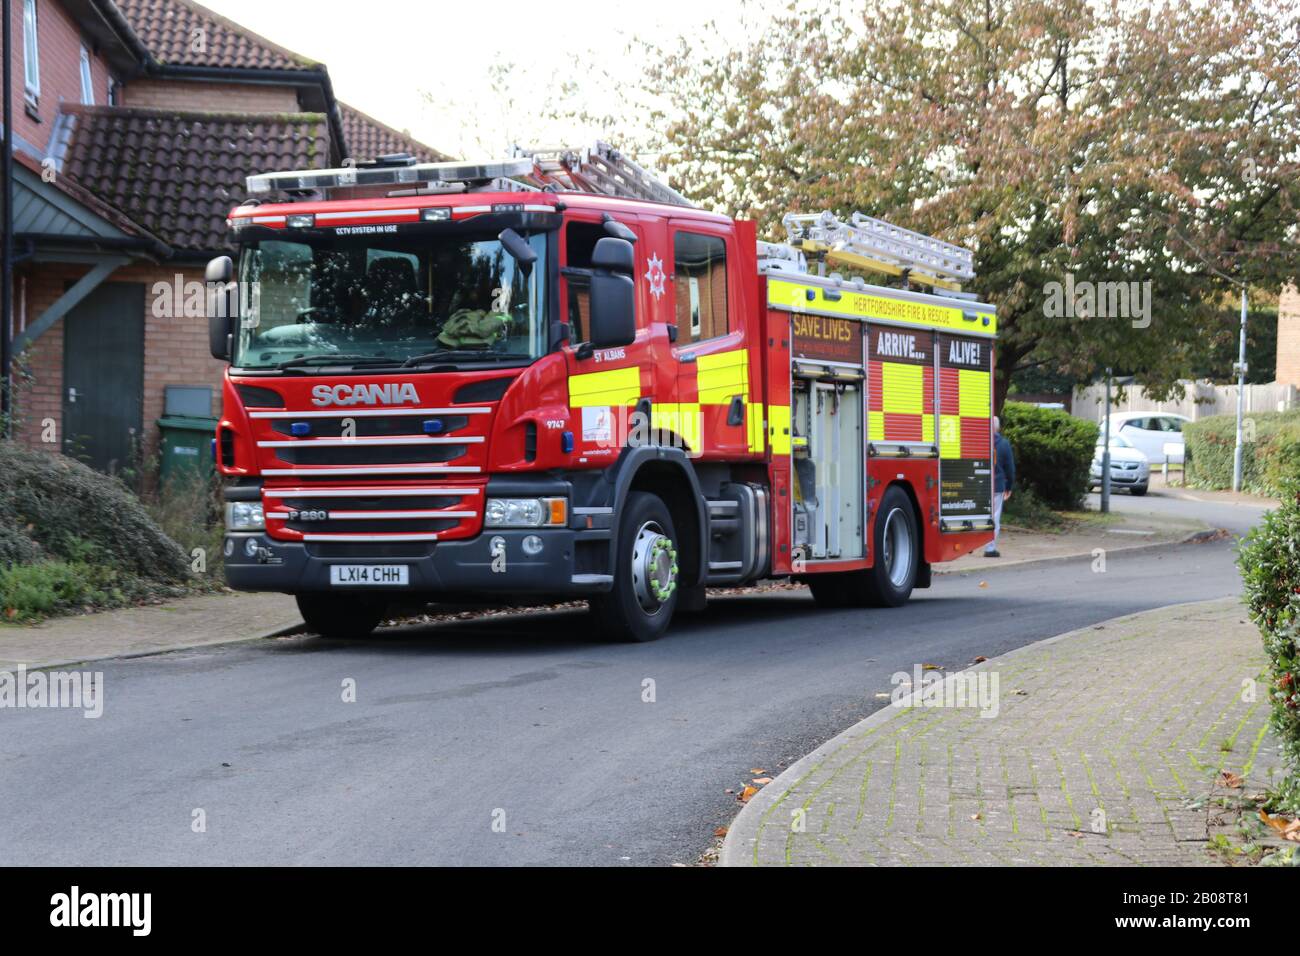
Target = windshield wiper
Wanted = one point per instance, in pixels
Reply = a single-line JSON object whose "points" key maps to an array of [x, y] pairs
{"points": [[335, 360], [475, 354]]}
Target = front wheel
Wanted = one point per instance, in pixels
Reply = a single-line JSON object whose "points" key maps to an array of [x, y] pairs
{"points": [[640, 605], [340, 615]]}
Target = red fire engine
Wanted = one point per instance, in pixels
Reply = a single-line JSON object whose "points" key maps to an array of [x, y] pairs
{"points": [[551, 377]]}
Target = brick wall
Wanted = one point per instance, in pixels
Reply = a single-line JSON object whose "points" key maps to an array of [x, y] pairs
{"points": [[1288, 337], [59, 56], [225, 97], [176, 349]]}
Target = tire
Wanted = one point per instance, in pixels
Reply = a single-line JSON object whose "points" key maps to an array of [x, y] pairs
{"points": [[1138, 490], [889, 581], [640, 605], [340, 615]]}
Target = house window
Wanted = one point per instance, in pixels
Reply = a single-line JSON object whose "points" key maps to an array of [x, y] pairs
{"points": [[31, 55], [700, 263], [87, 84]]}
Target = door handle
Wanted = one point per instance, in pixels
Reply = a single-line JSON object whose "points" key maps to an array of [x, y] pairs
{"points": [[736, 413]]}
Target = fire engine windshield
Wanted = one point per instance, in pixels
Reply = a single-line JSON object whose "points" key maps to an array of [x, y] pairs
{"points": [[372, 300]]}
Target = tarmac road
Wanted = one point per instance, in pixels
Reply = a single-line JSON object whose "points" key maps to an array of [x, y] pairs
{"points": [[517, 740]]}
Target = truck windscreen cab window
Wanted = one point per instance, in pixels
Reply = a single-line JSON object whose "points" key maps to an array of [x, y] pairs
{"points": [[700, 264], [370, 299]]}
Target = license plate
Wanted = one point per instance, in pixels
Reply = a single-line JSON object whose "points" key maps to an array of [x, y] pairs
{"points": [[361, 574]]}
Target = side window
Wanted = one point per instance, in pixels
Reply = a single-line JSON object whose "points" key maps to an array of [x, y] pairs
{"points": [[700, 264], [31, 53], [1173, 424], [580, 240], [87, 83]]}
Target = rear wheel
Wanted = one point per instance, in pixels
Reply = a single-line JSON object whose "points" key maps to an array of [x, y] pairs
{"points": [[889, 581], [640, 605], [340, 615]]}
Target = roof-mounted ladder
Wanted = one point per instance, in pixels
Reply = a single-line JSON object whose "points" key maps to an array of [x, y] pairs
{"points": [[869, 244], [599, 169]]}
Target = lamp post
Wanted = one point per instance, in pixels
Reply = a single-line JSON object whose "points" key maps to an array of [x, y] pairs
{"points": [[1105, 451], [7, 228], [1239, 450]]}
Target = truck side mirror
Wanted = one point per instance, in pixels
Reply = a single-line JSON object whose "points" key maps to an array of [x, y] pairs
{"points": [[222, 306], [613, 298]]}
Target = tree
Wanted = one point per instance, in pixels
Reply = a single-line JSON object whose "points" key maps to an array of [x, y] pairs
{"points": [[1102, 141]]}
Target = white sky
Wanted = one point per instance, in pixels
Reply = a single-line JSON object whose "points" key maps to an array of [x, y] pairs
{"points": [[425, 67]]}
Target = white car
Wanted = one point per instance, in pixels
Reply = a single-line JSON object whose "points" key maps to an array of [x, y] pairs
{"points": [[1129, 468], [1149, 432]]}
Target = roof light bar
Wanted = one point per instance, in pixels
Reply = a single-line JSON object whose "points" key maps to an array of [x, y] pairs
{"points": [[319, 179]]}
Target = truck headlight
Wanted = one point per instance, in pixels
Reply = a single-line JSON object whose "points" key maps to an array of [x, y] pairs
{"points": [[244, 516], [525, 512]]}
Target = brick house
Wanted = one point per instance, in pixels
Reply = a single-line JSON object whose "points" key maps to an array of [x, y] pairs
{"points": [[1288, 337], [135, 123]]}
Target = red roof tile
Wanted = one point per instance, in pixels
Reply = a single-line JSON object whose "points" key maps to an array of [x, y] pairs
{"points": [[182, 33], [179, 174]]}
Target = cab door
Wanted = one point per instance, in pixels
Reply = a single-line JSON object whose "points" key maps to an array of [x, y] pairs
{"points": [[715, 412]]}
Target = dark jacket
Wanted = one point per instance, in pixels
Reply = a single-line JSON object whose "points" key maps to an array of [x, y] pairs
{"points": [[1005, 475]]}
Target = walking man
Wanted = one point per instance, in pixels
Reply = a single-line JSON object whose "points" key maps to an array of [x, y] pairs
{"points": [[1004, 476]]}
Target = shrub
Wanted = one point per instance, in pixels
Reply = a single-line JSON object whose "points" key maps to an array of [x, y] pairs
{"points": [[1270, 570], [29, 592], [1026, 510], [1269, 458], [1053, 451], [70, 512]]}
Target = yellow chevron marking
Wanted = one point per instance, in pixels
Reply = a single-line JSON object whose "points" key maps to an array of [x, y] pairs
{"points": [[615, 386], [973, 393], [778, 428], [722, 376], [682, 419], [754, 415]]}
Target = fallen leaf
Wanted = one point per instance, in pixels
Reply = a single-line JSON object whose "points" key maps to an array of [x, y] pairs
{"points": [[882, 695], [720, 832], [980, 659], [760, 781], [1227, 778], [975, 816], [931, 667], [747, 793], [757, 770], [1287, 829], [984, 584]]}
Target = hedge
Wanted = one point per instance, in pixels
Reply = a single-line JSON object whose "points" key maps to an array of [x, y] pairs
{"points": [[1053, 451], [1270, 570], [1270, 455], [69, 511]]}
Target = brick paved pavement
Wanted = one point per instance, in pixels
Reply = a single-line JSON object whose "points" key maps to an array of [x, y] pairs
{"points": [[1119, 728]]}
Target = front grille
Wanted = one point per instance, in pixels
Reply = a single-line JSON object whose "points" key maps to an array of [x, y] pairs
{"points": [[305, 453], [363, 549], [375, 427], [378, 526], [370, 514]]}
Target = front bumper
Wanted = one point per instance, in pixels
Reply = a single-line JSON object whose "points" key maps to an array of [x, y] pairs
{"points": [[441, 568]]}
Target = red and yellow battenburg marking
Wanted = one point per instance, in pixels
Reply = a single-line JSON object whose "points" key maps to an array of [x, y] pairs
{"points": [[900, 386]]}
